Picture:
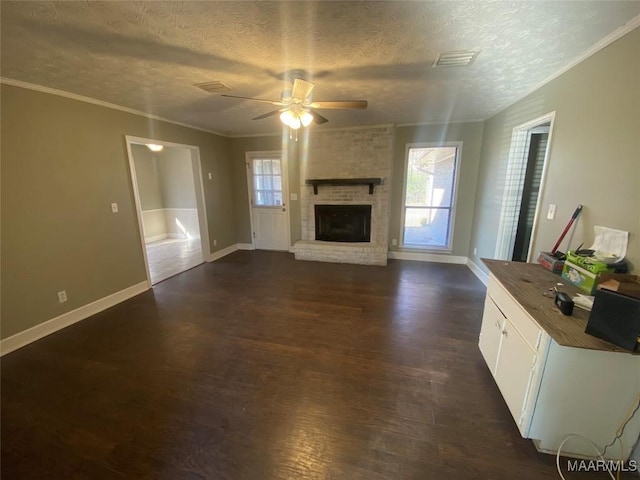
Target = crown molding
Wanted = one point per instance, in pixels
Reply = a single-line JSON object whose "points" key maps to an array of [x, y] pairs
{"points": [[81, 98], [595, 48]]}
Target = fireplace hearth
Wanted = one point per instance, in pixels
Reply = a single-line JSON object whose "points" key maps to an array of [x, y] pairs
{"points": [[343, 223]]}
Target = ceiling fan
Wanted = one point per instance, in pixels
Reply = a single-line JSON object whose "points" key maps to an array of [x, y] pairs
{"points": [[297, 109]]}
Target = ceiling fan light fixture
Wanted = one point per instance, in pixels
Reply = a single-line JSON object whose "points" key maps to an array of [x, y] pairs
{"points": [[154, 147], [306, 118], [290, 119]]}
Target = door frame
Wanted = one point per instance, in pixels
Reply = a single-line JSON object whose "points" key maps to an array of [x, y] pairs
{"points": [[248, 156], [517, 162], [201, 205]]}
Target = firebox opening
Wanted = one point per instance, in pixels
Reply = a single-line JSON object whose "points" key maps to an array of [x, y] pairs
{"points": [[343, 223]]}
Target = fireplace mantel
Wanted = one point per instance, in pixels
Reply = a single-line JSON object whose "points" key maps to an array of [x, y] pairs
{"points": [[343, 182]]}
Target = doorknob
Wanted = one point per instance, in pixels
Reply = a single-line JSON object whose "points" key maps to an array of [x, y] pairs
{"points": [[284, 209]]}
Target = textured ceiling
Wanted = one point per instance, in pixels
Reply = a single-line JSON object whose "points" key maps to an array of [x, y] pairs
{"points": [[148, 55]]}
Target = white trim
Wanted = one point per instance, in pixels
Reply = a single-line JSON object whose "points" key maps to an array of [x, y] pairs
{"points": [[138, 204], [482, 276], [245, 246], [518, 159], [427, 257], [198, 186], [454, 195], [48, 327], [542, 187], [168, 208], [593, 49], [223, 252], [100, 103], [155, 238]]}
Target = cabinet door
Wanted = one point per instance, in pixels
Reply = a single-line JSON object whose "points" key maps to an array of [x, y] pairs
{"points": [[491, 333], [514, 371]]}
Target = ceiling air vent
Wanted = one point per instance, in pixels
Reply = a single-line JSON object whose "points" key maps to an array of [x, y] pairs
{"points": [[454, 59], [213, 87]]}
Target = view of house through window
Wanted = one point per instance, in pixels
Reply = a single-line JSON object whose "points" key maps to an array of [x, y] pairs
{"points": [[429, 196]]}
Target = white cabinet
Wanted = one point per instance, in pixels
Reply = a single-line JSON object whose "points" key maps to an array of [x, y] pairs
{"points": [[515, 371], [553, 390], [491, 333], [511, 359]]}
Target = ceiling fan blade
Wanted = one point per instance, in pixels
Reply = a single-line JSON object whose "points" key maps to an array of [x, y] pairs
{"points": [[301, 89], [340, 104], [263, 100], [268, 114], [319, 119]]}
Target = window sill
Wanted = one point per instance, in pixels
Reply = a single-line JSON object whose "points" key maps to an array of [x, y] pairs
{"points": [[419, 249]]}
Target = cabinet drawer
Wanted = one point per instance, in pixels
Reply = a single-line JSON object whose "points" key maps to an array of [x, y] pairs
{"points": [[525, 325]]}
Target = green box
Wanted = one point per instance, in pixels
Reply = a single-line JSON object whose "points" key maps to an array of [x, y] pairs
{"points": [[581, 278], [583, 273]]}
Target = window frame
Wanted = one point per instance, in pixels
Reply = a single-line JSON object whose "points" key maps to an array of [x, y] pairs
{"points": [[268, 155], [454, 197]]}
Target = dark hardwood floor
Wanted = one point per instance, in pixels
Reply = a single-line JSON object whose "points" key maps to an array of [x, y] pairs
{"points": [[260, 367]]}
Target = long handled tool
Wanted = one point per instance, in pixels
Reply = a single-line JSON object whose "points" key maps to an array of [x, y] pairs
{"points": [[566, 229]]}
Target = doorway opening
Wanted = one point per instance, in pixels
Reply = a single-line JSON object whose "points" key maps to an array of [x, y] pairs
{"points": [[168, 191], [268, 193], [524, 184]]}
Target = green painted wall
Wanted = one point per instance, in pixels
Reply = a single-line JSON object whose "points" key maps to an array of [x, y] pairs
{"points": [[470, 134], [594, 156], [239, 147], [63, 163]]}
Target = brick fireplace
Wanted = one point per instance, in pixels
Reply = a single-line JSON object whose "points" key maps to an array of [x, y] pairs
{"points": [[348, 154]]}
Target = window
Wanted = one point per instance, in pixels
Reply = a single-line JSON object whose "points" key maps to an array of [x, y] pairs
{"points": [[267, 182], [430, 188]]}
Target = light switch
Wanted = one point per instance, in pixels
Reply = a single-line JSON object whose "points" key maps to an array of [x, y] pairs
{"points": [[210, 176], [552, 211], [114, 207]]}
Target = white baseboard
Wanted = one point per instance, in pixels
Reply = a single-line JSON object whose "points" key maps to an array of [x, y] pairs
{"points": [[222, 252], [176, 235], [482, 276], [245, 246], [155, 238], [37, 332], [428, 257]]}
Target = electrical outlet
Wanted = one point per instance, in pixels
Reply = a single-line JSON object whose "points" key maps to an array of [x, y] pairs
{"points": [[551, 213], [215, 242], [475, 251], [210, 176], [394, 242], [62, 296], [114, 207]]}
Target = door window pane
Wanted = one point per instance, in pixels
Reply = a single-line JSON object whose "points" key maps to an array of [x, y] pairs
{"points": [[267, 182], [429, 195]]}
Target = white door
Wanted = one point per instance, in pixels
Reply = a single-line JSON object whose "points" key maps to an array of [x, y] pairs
{"points": [[267, 179], [491, 333], [514, 370]]}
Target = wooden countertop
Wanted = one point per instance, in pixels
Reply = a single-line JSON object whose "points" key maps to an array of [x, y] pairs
{"points": [[526, 283]]}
